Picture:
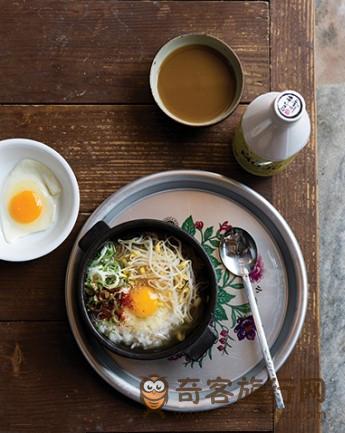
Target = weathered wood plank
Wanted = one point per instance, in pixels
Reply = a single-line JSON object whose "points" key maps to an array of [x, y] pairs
{"points": [[35, 290], [109, 146], [100, 51], [295, 195], [50, 387]]}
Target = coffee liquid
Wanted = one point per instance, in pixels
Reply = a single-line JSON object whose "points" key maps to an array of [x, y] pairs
{"points": [[196, 83]]}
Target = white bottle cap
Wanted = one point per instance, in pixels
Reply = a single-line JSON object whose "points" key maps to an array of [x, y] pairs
{"points": [[289, 105]]}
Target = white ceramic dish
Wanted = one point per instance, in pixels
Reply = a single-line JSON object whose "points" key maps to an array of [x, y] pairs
{"points": [[39, 244], [197, 39]]}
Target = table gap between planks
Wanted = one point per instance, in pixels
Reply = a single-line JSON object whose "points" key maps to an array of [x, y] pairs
{"points": [[74, 74]]}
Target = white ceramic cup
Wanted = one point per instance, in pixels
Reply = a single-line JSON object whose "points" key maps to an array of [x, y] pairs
{"points": [[197, 39], [41, 243]]}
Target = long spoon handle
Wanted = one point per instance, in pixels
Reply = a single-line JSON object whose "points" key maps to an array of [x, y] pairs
{"points": [[263, 342]]}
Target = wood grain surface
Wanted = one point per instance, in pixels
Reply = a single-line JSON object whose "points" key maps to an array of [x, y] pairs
{"points": [[294, 193], [100, 51], [97, 54], [108, 146]]}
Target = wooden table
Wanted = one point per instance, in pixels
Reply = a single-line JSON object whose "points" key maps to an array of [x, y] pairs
{"points": [[74, 74]]}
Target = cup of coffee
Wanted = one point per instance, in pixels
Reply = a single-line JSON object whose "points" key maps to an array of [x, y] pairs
{"points": [[196, 79]]}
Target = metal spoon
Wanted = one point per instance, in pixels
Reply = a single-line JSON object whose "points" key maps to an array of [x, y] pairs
{"points": [[239, 253]]}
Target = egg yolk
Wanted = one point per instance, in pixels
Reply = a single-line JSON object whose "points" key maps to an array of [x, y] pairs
{"points": [[144, 302], [25, 207]]}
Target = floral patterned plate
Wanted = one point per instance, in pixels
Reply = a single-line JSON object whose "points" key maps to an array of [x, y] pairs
{"points": [[205, 205]]}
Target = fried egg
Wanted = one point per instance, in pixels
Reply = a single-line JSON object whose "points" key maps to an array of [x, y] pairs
{"points": [[29, 200], [147, 321]]}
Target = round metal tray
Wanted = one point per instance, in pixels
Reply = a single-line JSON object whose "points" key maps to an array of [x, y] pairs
{"points": [[204, 203]]}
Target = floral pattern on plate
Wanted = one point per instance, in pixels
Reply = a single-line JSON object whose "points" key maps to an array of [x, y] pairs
{"points": [[231, 319]]}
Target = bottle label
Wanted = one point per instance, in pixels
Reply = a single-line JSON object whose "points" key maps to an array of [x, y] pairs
{"points": [[253, 163], [289, 105]]}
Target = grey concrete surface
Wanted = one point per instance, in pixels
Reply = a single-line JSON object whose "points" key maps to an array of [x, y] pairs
{"points": [[331, 142], [330, 73]]}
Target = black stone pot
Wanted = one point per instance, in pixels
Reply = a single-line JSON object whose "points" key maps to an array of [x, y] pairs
{"points": [[201, 337]]}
